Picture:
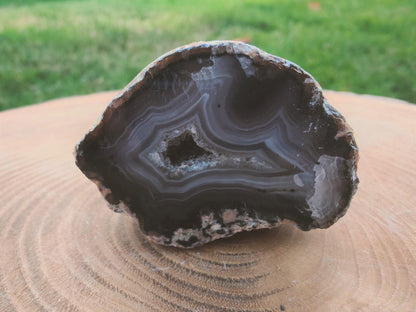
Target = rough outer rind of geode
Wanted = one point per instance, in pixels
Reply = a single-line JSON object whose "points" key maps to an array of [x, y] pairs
{"points": [[215, 138]]}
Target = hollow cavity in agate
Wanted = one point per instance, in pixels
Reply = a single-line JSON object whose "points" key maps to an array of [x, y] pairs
{"points": [[215, 138]]}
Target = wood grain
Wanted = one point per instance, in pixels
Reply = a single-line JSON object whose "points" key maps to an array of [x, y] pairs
{"points": [[63, 250]]}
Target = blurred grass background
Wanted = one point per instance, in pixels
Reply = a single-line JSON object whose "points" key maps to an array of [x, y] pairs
{"points": [[51, 49]]}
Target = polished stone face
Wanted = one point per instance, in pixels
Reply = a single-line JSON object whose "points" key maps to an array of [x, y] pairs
{"points": [[217, 138]]}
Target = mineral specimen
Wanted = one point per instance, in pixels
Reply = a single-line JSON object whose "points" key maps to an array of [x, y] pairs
{"points": [[220, 137]]}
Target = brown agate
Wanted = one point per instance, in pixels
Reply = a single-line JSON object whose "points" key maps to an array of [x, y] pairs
{"points": [[219, 137]]}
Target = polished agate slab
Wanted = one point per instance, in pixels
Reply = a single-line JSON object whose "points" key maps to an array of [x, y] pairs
{"points": [[215, 138]]}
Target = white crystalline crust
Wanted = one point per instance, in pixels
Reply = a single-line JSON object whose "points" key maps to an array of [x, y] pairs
{"points": [[329, 180], [230, 223]]}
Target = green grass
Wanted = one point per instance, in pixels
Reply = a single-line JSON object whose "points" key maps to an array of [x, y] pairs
{"points": [[52, 49]]}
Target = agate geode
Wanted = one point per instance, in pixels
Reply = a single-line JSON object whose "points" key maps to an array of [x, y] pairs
{"points": [[215, 138]]}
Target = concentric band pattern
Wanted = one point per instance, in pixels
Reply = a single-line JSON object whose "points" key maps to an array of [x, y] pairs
{"points": [[63, 250]]}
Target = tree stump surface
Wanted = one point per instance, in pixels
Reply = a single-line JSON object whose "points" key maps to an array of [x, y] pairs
{"points": [[62, 249]]}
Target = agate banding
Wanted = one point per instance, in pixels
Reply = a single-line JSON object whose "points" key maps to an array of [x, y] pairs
{"points": [[215, 138]]}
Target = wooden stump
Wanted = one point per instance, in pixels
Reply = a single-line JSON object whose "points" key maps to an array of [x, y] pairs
{"points": [[63, 250]]}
